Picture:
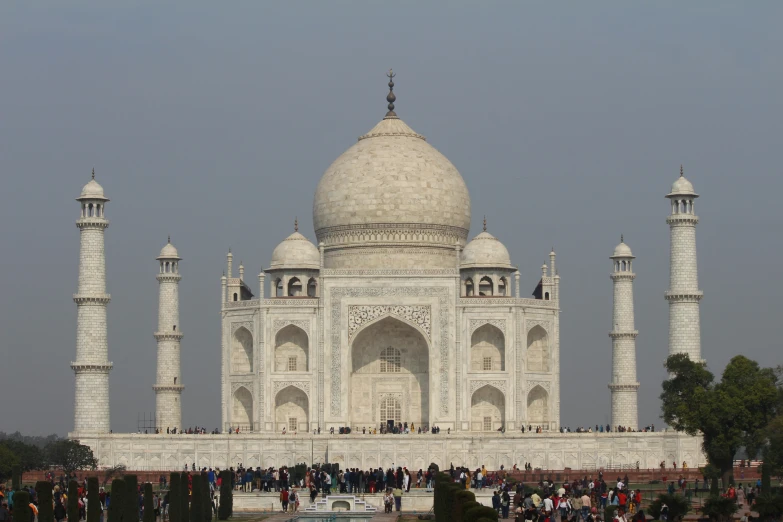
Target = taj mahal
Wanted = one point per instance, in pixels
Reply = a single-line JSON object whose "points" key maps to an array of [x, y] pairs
{"points": [[393, 315]]}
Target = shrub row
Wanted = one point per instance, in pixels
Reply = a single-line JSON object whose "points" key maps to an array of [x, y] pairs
{"points": [[454, 503]]}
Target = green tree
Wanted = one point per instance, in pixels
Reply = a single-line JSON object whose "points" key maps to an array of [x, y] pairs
{"points": [[70, 456], [8, 463], [678, 506], [206, 497], [30, 457], [769, 507], [729, 414], [719, 509]]}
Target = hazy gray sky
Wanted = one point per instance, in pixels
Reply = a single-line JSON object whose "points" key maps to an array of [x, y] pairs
{"points": [[213, 122]]}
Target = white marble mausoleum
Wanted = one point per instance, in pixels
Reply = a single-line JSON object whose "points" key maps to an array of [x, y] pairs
{"points": [[393, 313]]}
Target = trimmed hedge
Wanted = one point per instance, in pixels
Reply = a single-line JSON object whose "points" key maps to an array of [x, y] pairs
{"points": [[226, 508], [45, 502], [131, 509], [117, 503], [206, 498], [478, 513], [196, 505], [22, 511], [73, 501], [93, 500], [175, 505], [184, 497], [149, 504]]}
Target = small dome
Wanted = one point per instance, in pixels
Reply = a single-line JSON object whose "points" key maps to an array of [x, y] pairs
{"points": [[92, 190], [485, 250], [296, 251], [169, 252], [683, 187], [622, 250]]}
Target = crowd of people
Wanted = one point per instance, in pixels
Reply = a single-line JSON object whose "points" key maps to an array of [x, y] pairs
{"points": [[577, 500]]}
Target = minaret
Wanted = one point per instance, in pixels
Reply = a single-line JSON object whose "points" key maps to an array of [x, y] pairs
{"points": [[684, 294], [168, 386], [92, 366], [624, 388]]}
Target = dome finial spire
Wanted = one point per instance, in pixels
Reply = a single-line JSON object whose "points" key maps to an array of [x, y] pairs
{"points": [[93, 173], [681, 171], [296, 224], [485, 223], [169, 238], [621, 239], [391, 97]]}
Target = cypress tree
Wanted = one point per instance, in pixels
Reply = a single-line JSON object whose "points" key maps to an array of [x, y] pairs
{"points": [[184, 497], [73, 501], [149, 504], [175, 504], [16, 478], [766, 486], [196, 504], [45, 506], [206, 498], [131, 509], [22, 511], [93, 500], [226, 507], [117, 502]]}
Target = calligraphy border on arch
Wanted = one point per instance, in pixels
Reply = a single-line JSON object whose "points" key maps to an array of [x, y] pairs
{"points": [[279, 324], [338, 294], [280, 385], [475, 324]]}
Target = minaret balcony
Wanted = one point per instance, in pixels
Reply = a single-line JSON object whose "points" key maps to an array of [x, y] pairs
{"points": [[78, 367], [631, 386], [624, 335], [168, 336], [168, 387], [682, 219], [92, 222], [175, 277], [80, 299], [684, 296]]}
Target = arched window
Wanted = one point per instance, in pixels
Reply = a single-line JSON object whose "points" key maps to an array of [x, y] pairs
{"points": [[312, 288], [236, 297], [279, 288], [546, 296], [502, 286], [684, 207], [390, 410], [622, 264], [89, 210], [390, 360], [485, 286], [537, 350], [469, 287], [294, 287]]}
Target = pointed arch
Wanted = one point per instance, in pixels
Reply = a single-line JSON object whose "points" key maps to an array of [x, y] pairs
{"points": [[292, 408], [242, 412], [486, 286], [312, 287], [469, 290], [538, 407], [537, 350], [487, 349], [242, 351], [292, 349], [374, 349], [294, 287], [503, 287], [279, 290], [487, 409]]}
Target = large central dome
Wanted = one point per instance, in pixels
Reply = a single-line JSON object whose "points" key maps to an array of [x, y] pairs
{"points": [[391, 190]]}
